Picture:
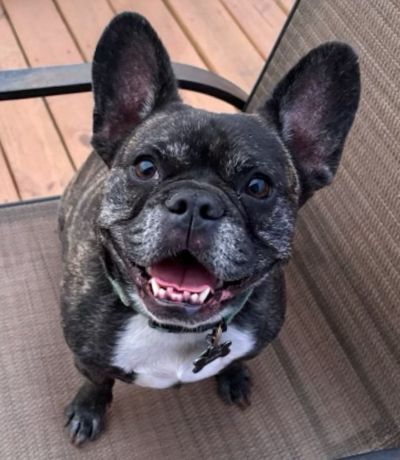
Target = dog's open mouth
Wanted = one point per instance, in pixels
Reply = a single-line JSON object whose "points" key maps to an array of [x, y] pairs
{"points": [[182, 279], [181, 285], [181, 288]]}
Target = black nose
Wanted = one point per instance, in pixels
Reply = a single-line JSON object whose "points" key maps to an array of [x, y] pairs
{"points": [[199, 205]]}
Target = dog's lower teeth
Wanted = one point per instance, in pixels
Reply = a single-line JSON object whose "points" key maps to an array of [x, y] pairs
{"points": [[203, 295], [170, 293], [154, 286], [194, 298]]}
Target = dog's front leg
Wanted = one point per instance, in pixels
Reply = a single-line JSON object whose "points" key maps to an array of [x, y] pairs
{"points": [[234, 384], [85, 414]]}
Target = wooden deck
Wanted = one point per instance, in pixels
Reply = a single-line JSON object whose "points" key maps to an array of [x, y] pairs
{"points": [[43, 141]]}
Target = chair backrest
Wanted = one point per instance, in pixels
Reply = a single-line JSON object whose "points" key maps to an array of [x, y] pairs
{"points": [[341, 341]]}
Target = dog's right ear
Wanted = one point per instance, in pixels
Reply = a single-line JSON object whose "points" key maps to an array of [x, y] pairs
{"points": [[132, 77]]}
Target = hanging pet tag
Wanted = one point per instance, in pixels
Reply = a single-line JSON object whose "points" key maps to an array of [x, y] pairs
{"points": [[214, 349]]}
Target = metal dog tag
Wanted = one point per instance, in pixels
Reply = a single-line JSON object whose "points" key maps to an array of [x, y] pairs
{"points": [[214, 349]]}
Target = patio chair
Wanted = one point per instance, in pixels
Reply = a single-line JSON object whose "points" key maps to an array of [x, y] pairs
{"points": [[328, 387]]}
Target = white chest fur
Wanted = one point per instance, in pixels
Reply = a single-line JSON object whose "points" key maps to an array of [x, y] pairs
{"points": [[161, 359]]}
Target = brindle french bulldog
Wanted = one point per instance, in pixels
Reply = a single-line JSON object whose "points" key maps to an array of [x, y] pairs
{"points": [[176, 228]]}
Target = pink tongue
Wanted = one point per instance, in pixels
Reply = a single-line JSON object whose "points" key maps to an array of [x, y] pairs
{"points": [[183, 276]]}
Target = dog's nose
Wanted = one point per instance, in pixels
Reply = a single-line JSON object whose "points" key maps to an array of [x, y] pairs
{"points": [[200, 206]]}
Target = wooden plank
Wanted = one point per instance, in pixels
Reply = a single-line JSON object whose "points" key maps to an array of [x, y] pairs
{"points": [[31, 144], [8, 192], [43, 46], [286, 5], [260, 20], [217, 37], [178, 45], [86, 20], [46, 41]]}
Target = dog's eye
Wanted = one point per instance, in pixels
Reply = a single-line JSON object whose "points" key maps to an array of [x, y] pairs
{"points": [[258, 187], [145, 169]]}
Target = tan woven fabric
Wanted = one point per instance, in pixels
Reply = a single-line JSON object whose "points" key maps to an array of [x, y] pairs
{"points": [[329, 386], [341, 342], [37, 379]]}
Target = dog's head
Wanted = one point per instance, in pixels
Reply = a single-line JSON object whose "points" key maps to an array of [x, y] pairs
{"points": [[198, 207]]}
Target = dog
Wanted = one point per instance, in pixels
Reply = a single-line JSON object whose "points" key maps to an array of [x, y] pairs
{"points": [[176, 230]]}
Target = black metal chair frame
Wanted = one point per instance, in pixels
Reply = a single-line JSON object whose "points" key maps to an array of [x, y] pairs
{"points": [[67, 79]]}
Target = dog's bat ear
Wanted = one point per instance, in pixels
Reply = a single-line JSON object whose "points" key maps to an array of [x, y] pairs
{"points": [[132, 77], [313, 108]]}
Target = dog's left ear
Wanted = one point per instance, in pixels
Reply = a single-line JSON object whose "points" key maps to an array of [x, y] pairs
{"points": [[132, 77], [313, 108]]}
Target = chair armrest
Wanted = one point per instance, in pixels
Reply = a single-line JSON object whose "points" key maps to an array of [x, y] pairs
{"points": [[66, 79], [386, 454]]}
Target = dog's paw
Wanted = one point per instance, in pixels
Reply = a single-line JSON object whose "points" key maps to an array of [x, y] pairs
{"points": [[83, 423], [234, 385], [86, 413]]}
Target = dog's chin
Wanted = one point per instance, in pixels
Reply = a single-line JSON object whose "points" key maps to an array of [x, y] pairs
{"points": [[179, 290]]}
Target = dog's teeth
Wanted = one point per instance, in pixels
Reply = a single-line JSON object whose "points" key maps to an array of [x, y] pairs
{"points": [[194, 298], [179, 297], [203, 295], [154, 286]]}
